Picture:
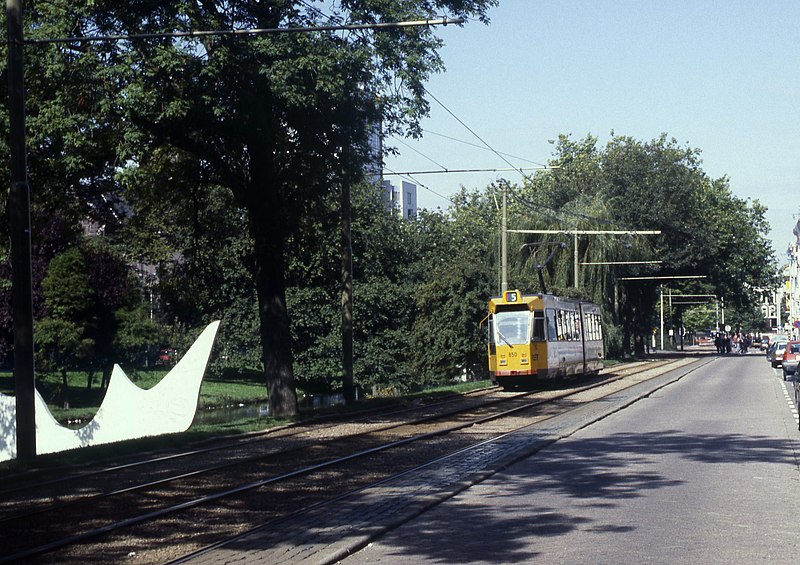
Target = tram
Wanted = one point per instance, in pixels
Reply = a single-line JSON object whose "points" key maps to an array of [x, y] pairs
{"points": [[542, 336]]}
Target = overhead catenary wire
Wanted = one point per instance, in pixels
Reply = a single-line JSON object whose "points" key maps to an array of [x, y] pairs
{"points": [[444, 169], [469, 129], [482, 147], [245, 32], [518, 169]]}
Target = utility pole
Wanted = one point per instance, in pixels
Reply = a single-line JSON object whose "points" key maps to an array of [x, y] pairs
{"points": [[19, 215], [504, 240], [575, 265], [661, 309], [671, 319]]}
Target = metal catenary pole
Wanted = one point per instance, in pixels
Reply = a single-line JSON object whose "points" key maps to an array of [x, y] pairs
{"points": [[19, 216]]}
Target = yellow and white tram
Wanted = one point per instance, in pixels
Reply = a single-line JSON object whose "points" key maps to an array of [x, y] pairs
{"points": [[542, 336]]}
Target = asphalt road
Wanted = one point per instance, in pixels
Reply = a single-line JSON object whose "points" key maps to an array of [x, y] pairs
{"points": [[705, 470]]}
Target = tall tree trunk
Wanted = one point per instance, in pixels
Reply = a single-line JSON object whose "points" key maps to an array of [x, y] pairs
{"points": [[268, 229]]}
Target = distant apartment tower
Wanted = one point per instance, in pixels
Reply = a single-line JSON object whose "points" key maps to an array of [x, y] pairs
{"points": [[402, 199], [374, 165]]}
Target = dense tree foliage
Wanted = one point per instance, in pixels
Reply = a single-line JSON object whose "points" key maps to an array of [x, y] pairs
{"points": [[94, 315], [278, 119], [657, 185]]}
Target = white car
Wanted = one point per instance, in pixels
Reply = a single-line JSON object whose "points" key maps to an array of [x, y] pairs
{"points": [[775, 352]]}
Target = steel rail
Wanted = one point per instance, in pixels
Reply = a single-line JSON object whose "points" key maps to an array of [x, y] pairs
{"points": [[271, 523]]}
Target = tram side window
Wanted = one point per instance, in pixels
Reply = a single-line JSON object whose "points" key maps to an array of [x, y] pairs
{"points": [[594, 328], [588, 326], [560, 324], [570, 317], [552, 334], [574, 326], [538, 326]]}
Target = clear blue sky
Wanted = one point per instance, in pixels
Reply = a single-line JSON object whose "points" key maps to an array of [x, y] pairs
{"points": [[721, 76]]}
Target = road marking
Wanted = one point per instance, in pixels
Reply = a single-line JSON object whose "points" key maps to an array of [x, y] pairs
{"points": [[790, 399]]}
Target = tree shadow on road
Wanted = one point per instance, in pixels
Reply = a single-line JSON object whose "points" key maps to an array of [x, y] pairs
{"points": [[500, 520]]}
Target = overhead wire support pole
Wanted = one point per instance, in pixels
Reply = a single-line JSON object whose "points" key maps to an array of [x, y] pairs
{"points": [[661, 309], [19, 214], [575, 268], [504, 240]]}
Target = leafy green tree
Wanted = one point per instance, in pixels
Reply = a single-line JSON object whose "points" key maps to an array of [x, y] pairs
{"points": [[456, 279], [699, 318], [277, 119], [63, 336], [93, 306], [384, 288], [62, 346], [656, 185], [136, 337], [50, 234]]}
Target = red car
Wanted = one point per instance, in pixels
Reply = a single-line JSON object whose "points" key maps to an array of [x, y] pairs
{"points": [[791, 357]]}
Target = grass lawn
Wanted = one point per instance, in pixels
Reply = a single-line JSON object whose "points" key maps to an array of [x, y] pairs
{"points": [[81, 403]]}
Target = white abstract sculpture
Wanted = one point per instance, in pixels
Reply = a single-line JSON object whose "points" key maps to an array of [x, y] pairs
{"points": [[127, 411]]}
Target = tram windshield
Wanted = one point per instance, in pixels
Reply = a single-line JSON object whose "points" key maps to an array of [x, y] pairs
{"points": [[512, 328]]}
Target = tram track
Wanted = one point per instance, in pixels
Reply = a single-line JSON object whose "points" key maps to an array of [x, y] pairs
{"points": [[30, 479], [198, 497], [35, 498]]}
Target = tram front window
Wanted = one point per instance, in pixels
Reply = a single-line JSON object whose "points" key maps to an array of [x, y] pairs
{"points": [[512, 328]]}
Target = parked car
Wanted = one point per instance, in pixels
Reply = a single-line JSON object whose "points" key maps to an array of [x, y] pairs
{"points": [[167, 357], [775, 352], [791, 356]]}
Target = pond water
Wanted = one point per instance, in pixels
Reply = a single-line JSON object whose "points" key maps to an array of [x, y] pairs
{"points": [[225, 414]]}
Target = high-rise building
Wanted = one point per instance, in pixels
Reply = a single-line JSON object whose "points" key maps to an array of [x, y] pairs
{"points": [[402, 199], [374, 166]]}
